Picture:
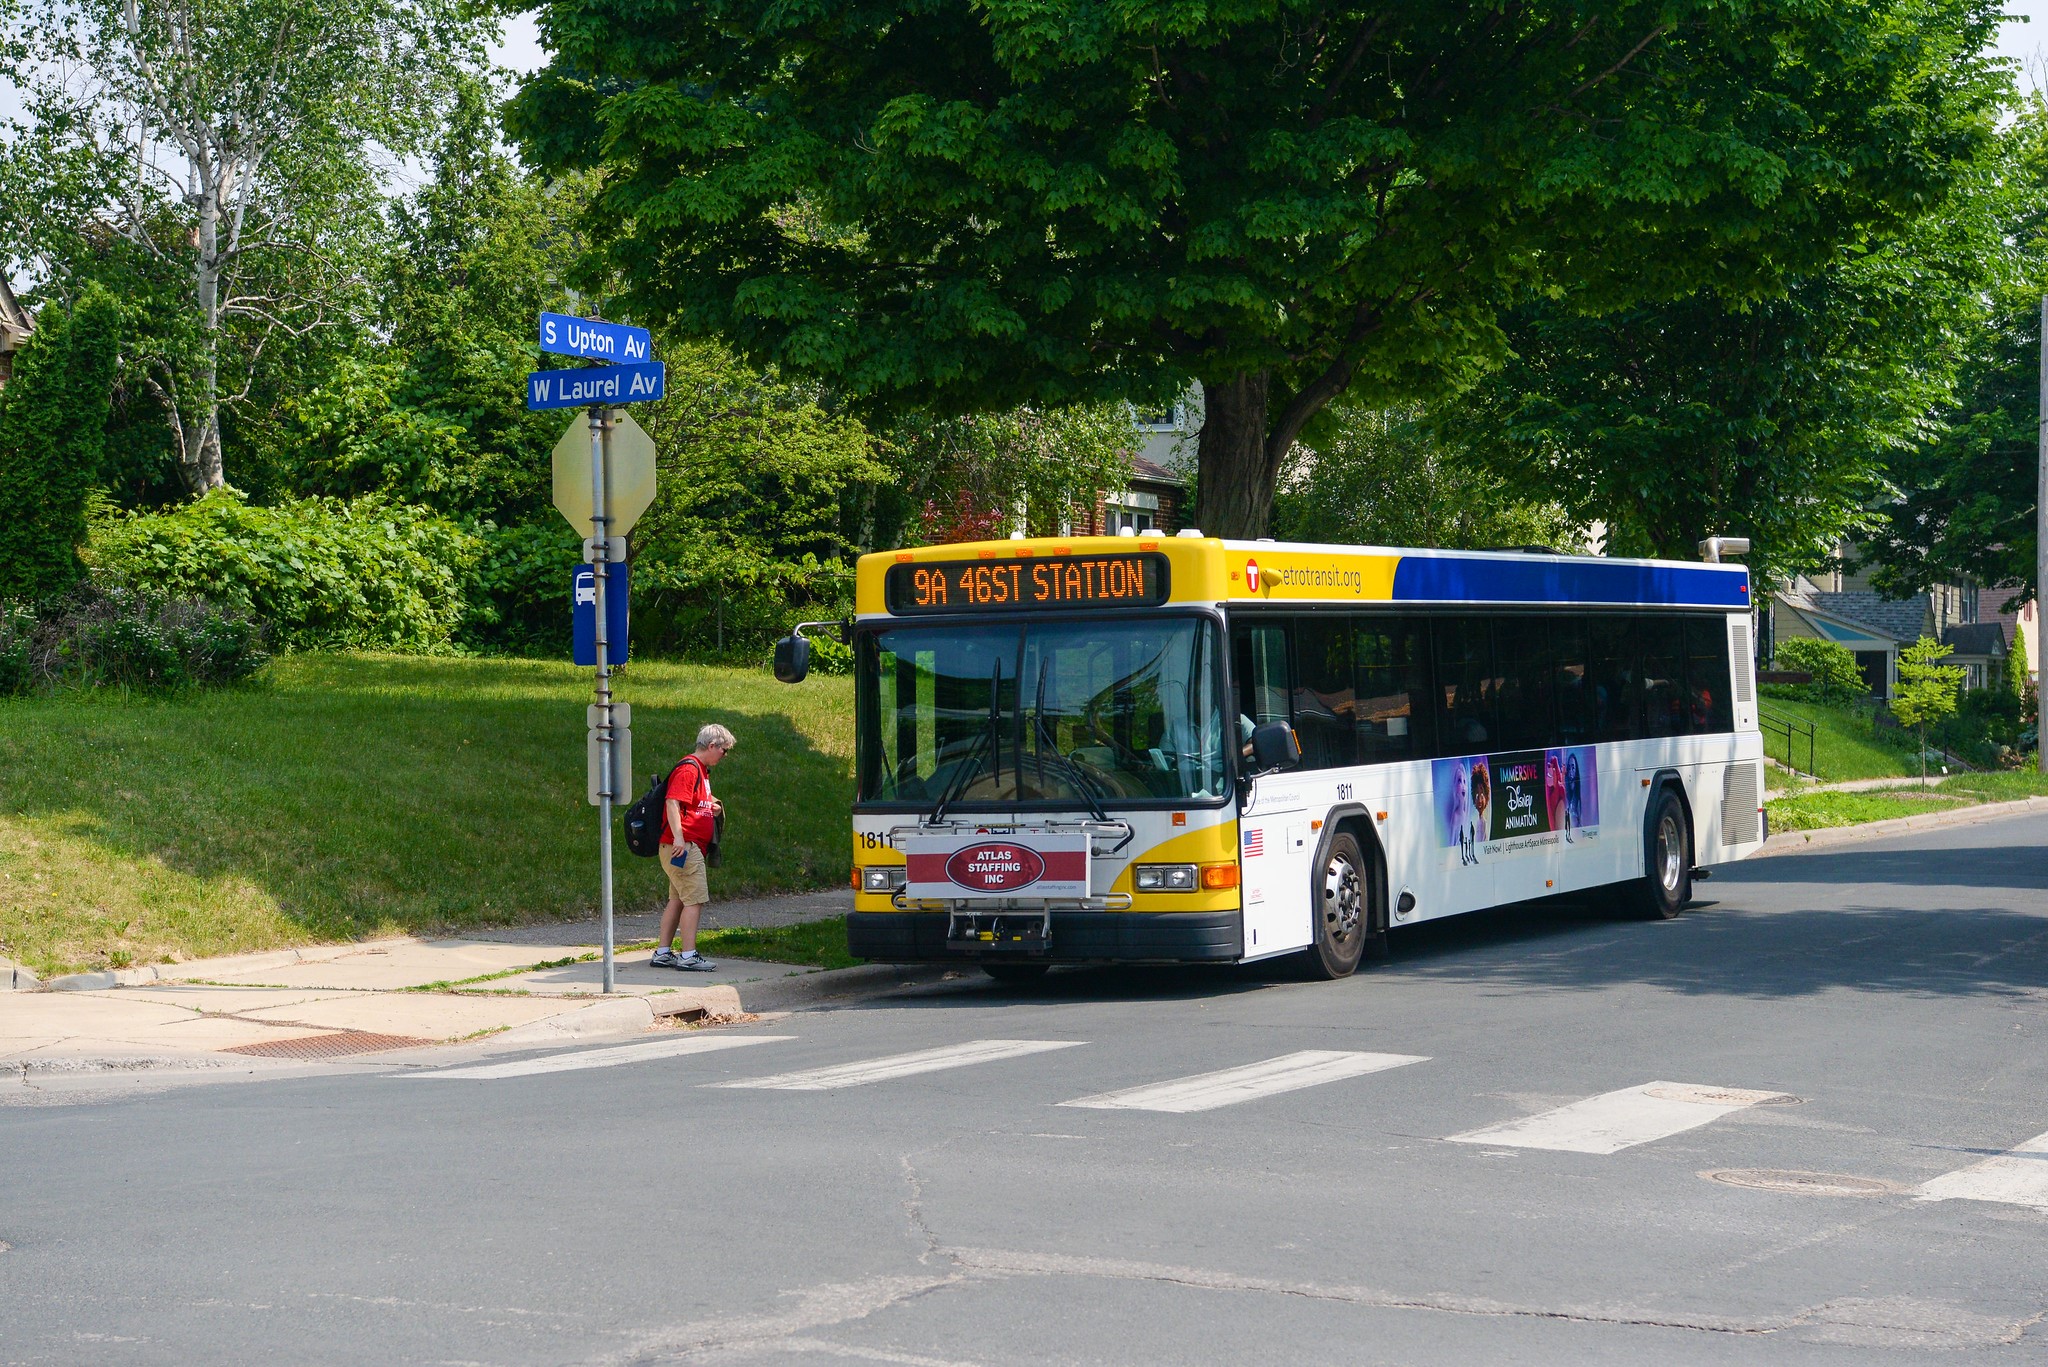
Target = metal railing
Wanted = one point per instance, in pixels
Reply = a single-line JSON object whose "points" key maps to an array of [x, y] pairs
{"points": [[1790, 730]]}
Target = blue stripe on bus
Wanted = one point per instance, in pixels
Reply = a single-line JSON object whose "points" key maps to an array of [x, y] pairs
{"points": [[1450, 578]]}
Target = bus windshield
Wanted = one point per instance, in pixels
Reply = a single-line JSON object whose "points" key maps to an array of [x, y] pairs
{"points": [[1080, 714]]}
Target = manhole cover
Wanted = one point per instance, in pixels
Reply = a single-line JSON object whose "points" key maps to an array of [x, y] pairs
{"points": [[1719, 1096], [1801, 1183], [335, 1044]]}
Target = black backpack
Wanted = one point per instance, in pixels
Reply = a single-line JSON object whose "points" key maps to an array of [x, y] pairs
{"points": [[647, 815]]}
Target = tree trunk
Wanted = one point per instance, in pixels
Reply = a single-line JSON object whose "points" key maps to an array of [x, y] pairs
{"points": [[201, 456], [1234, 489]]}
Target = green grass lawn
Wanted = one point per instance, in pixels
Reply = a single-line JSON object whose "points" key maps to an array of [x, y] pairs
{"points": [[1810, 811], [1845, 746], [341, 796]]}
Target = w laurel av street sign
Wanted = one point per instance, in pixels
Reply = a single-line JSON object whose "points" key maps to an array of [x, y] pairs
{"points": [[605, 385]]}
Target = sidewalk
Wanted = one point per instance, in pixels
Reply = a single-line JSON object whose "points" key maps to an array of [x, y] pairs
{"points": [[527, 984]]}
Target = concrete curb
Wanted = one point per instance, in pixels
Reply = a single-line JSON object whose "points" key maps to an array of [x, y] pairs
{"points": [[15, 978], [625, 1015], [837, 986], [1796, 842]]}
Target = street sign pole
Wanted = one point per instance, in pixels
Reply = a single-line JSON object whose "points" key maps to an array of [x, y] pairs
{"points": [[607, 788]]}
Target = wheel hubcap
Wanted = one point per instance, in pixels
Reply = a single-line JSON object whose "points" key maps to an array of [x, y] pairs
{"points": [[1669, 849], [1342, 900]]}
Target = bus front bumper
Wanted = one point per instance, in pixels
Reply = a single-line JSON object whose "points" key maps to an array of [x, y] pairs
{"points": [[902, 937]]}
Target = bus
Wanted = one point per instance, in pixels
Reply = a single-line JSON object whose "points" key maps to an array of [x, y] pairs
{"points": [[1184, 749]]}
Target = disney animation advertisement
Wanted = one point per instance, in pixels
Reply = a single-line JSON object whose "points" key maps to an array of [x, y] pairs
{"points": [[1491, 806]]}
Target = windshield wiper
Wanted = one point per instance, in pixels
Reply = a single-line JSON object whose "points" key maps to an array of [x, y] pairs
{"points": [[990, 740], [1042, 737]]}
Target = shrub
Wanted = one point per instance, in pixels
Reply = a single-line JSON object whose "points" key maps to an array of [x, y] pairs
{"points": [[1836, 677], [518, 589], [324, 573], [106, 635]]}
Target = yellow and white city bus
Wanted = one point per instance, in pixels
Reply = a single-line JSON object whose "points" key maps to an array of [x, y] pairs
{"points": [[1185, 749]]}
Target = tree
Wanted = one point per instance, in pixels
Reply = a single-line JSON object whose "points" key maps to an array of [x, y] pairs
{"points": [[1926, 690], [1387, 478], [229, 142], [2016, 663], [53, 423], [972, 476], [1966, 492], [1769, 419], [969, 205]]}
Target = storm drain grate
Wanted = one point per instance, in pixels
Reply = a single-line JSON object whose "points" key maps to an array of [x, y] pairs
{"points": [[336, 1044], [1802, 1183]]}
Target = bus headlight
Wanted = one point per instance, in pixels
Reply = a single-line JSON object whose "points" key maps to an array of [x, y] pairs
{"points": [[883, 878], [1164, 877]]}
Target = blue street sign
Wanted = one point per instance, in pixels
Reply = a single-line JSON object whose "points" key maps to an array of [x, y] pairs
{"points": [[583, 620], [562, 335], [609, 385]]}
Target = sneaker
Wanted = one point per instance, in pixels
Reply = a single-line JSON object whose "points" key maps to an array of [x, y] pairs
{"points": [[665, 958], [693, 962]]}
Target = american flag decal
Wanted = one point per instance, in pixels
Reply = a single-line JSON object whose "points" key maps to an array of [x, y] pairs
{"points": [[1254, 843]]}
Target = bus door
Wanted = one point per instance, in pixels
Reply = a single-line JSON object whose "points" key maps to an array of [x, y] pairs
{"points": [[1274, 848]]}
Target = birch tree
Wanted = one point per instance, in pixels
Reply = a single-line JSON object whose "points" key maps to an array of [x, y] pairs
{"points": [[230, 144]]}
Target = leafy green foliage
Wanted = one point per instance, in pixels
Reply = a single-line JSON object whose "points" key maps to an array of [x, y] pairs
{"points": [[2016, 663], [1386, 478], [1836, 676], [228, 144], [108, 636], [1926, 690], [963, 205], [322, 573], [53, 423], [968, 477], [745, 531], [1966, 507]]}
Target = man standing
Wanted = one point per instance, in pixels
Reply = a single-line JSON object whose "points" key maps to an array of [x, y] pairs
{"points": [[685, 834]]}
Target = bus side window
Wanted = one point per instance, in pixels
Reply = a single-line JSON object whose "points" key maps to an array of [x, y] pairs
{"points": [[1709, 704], [1664, 704], [1324, 704], [1568, 665], [1395, 719], [1259, 665], [1465, 685], [1615, 678], [1526, 655]]}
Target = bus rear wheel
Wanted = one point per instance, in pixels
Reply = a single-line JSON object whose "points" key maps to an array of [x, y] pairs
{"points": [[1342, 899], [1665, 889]]}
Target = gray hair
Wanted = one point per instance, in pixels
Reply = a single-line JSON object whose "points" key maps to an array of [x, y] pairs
{"points": [[713, 734]]}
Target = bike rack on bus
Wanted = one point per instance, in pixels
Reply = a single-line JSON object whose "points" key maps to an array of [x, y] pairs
{"points": [[964, 919]]}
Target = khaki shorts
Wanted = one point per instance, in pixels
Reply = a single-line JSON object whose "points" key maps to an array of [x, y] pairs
{"points": [[689, 883]]}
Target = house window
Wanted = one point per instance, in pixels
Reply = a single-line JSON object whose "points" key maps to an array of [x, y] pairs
{"points": [[1159, 419], [1137, 519]]}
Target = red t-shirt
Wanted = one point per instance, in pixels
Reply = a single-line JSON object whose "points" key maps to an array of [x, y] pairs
{"points": [[690, 786]]}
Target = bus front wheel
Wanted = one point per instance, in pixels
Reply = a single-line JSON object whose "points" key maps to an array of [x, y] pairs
{"points": [[1344, 932], [1665, 888]]}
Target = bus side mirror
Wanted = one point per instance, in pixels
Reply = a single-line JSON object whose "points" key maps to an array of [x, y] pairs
{"points": [[792, 659], [1274, 747]]}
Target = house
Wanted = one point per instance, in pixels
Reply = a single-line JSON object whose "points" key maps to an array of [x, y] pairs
{"points": [[1842, 606], [15, 327]]}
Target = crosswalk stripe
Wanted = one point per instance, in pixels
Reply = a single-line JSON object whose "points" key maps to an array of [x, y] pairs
{"points": [[604, 1058], [1207, 1091], [1614, 1121], [900, 1065], [2017, 1177]]}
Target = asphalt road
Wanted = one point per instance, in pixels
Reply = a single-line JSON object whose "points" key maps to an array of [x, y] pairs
{"points": [[1875, 1014]]}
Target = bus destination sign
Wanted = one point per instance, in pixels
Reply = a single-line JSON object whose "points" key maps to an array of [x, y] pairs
{"points": [[1035, 583]]}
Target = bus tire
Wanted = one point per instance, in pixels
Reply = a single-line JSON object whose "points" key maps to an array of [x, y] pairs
{"points": [[1342, 899], [1665, 888], [1016, 975]]}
